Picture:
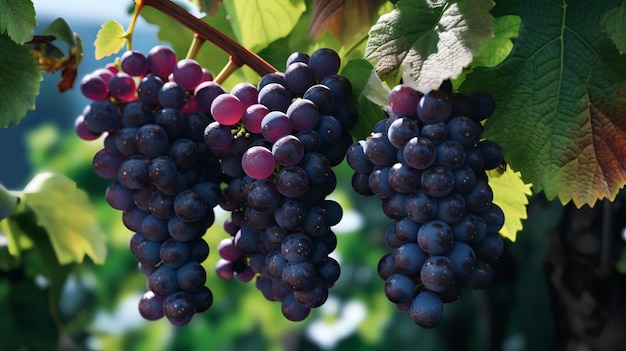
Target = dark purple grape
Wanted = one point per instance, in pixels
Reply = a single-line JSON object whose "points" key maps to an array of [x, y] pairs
{"points": [[288, 150], [492, 153], [403, 99], [408, 258], [434, 107], [482, 104], [163, 281], [191, 276], [148, 89], [303, 114], [322, 97], [101, 116], [297, 247], [264, 196], [134, 63], [171, 95], [399, 288], [340, 86], [437, 181], [403, 178], [299, 276], [324, 62], [437, 273], [401, 130], [292, 182], [419, 153], [151, 306], [299, 77], [435, 237], [420, 206], [179, 308], [162, 61], [427, 309], [292, 309], [275, 96]]}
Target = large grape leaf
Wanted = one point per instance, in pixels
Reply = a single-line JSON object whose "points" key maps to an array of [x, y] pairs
{"points": [[432, 40], [66, 214], [258, 23], [344, 19], [561, 102], [17, 20], [19, 81]]}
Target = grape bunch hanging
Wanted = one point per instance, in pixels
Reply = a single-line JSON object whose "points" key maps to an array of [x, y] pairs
{"points": [[176, 145], [427, 164]]}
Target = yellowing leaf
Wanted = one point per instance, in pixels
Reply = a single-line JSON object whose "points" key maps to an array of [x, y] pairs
{"points": [[110, 39], [66, 214], [511, 194]]}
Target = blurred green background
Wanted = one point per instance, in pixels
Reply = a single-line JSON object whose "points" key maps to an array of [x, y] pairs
{"points": [[98, 305]]}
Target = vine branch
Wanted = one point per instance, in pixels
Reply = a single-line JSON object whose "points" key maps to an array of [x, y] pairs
{"points": [[208, 32]]}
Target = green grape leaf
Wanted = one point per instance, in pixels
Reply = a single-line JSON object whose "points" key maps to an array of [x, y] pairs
{"points": [[560, 103], [20, 78], [431, 40], [61, 31], [8, 202], [614, 24], [496, 49], [258, 23], [16, 239], [66, 214], [17, 20], [511, 194], [365, 82], [110, 39]]}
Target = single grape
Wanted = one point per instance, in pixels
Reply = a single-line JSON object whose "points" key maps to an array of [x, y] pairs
{"points": [[258, 162], [427, 309]]}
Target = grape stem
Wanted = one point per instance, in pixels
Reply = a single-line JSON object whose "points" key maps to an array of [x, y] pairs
{"points": [[232, 65], [237, 52], [196, 45]]}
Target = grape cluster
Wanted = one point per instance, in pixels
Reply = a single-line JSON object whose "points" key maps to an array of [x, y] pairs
{"points": [[152, 111], [427, 164], [278, 142]]}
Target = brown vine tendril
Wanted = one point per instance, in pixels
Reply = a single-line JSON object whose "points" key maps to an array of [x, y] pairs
{"points": [[238, 53]]}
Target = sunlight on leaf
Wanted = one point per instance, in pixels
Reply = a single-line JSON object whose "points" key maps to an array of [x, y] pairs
{"points": [[496, 49], [258, 23], [68, 217], [436, 40], [110, 39], [511, 194], [560, 103]]}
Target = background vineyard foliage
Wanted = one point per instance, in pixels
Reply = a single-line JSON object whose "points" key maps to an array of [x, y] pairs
{"points": [[97, 306]]}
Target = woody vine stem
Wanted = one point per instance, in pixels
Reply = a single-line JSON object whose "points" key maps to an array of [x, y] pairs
{"points": [[239, 55]]}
